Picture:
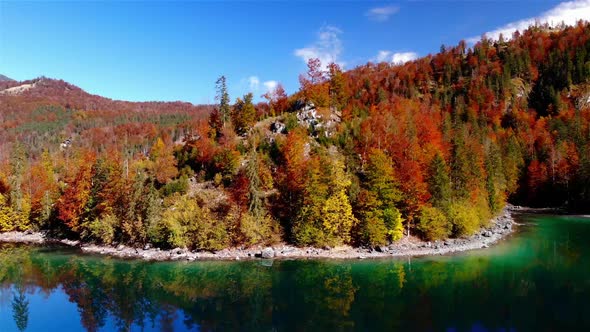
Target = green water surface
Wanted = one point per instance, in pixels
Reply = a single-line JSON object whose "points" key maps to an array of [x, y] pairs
{"points": [[537, 280]]}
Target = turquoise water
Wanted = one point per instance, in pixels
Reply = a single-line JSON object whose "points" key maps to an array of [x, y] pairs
{"points": [[537, 280]]}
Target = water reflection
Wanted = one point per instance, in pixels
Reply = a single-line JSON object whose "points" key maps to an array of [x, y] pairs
{"points": [[537, 281]]}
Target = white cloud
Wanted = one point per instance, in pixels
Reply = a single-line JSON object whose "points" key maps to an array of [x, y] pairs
{"points": [[254, 83], [383, 56], [566, 12], [403, 57], [327, 48], [395, 58], [381, 14], [270, 85]]}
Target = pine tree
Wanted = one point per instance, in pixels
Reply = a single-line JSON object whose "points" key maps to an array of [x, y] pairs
{"points": [[223, 98], [439, 183]]}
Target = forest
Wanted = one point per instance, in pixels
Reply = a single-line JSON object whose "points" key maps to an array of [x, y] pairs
{"points": [[432, 148]]}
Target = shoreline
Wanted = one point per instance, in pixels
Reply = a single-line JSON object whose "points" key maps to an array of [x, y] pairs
{"points": [[500, 227]]}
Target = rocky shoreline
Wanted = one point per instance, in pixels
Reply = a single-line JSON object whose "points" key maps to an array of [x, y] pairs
{"points": [[500, 227]]}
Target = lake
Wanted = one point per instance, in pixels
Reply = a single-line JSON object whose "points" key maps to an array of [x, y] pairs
{"points": [[536, 280]]}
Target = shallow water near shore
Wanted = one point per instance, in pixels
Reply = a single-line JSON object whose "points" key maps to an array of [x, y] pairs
{"points": [[536, 280]]}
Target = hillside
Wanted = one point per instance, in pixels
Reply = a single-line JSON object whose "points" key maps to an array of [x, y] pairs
{"points": [[5, 79], [42, 113], [434, 148]]}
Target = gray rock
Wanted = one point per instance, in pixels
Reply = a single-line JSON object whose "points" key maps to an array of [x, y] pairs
{"points": [[268, 253], [487, 234], [120, 247], [178, 251]]}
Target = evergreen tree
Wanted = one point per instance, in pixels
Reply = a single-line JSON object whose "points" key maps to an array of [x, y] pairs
{"points": [[223, 98], [439, 183], [20, 310]]}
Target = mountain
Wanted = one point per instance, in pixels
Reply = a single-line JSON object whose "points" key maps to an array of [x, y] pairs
{"points": [[4, 78], [44, 90], [43, 112]]}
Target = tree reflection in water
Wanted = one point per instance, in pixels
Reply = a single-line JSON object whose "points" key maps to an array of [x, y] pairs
{"points": [[530, 284]]}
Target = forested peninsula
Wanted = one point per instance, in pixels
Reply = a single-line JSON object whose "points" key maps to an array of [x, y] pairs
{"points": [[430, 149]]}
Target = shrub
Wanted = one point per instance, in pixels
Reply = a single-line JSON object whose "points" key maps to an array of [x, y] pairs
{"points": [[176, 186], [103, 229], [464, 219], [306, 229], [393, 221], [186, 224], [255, 231], [373, 232], [10, 220], [433, 224]]}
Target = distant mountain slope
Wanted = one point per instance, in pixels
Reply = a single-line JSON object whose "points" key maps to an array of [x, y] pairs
{"points": [[4, 78], [44, 112], [58, 92]]}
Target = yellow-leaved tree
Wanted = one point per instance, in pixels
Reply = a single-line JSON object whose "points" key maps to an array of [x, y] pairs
{"points": [[337, 217]]}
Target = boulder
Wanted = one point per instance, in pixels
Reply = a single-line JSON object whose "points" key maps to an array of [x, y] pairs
{"points": [[268, 253]]}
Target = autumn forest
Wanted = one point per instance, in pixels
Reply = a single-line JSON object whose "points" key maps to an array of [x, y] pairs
{"points": [[434, 148]]}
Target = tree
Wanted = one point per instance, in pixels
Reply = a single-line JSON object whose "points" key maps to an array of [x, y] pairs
{"points": [[72, 205], [44, 190], [337, 82], [9, 219], [439, 183], [18, 199], [186, 224], [223, 98], [313, 85], [378, 202], [243, 114], [163, 167], [433, 224], [20, 310], [277, 99], [337, 217]]}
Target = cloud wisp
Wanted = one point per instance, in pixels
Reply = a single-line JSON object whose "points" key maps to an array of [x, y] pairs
{"points": [[396, 58], [381, 14], [327, 47], [270, 85], [566, 12], [254, 83]]}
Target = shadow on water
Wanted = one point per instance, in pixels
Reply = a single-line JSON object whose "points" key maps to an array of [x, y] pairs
{"points": [[538, 280]]}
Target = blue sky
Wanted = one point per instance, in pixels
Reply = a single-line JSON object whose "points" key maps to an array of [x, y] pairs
{"points": [[175, 50]]}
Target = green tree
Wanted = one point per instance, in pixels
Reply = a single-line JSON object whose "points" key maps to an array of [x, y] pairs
{"points": [[433, 223], [20, 310], [18, 200], [337, 217], [186, 224], [439, 183], [256, 225], [337, 86], [464, 218], [223, 98], [243, 114], [378, 203]]}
